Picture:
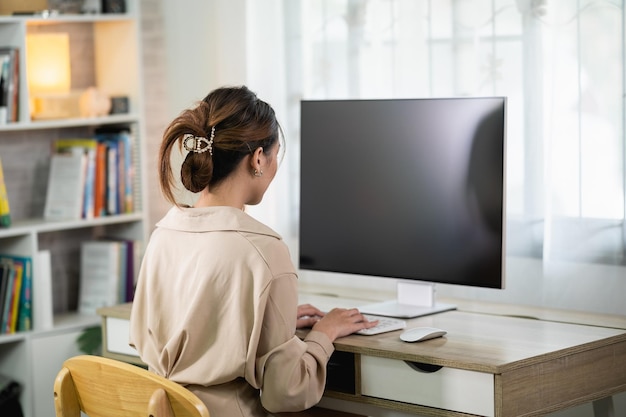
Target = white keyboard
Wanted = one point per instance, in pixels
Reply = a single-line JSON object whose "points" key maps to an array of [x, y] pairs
{"points": [[385, 324]]}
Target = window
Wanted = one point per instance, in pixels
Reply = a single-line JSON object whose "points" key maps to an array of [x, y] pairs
{"points": [[559, 62]]}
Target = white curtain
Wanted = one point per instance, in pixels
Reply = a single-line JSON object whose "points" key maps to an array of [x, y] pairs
{"points": [[559, 62]]}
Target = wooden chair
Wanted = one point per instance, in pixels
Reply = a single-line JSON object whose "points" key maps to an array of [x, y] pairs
{"points": [[102, 387]]}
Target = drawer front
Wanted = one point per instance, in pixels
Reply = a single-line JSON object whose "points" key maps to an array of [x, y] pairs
{"points": [[117, 331], [448, 388]]}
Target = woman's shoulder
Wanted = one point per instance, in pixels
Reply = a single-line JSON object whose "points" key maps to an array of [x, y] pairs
{"points": [[209, 219]]}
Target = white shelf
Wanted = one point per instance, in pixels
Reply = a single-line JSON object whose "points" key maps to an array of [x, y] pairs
{"points": [[23, 227], [65, 18], [65, 123], [106, 54], [62, 323], [73, 321]]}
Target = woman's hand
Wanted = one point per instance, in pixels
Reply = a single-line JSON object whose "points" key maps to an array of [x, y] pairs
{"points": [[341, 322], [308, 316]]}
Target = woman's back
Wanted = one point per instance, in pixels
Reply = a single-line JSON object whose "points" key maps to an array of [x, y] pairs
{"points": [[206, 268]]}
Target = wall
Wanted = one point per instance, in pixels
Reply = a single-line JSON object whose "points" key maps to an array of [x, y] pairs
{"points": [[214, 44], [156, 97]]}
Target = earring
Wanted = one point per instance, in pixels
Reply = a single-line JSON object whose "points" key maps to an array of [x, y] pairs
{"points": [[258, 173]]}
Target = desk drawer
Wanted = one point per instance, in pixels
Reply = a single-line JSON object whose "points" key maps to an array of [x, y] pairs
{"points": [[117, 331], [448, 388]]}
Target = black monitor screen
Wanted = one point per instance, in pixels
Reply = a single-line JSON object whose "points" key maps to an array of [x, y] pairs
{"points": [[404, 188]]}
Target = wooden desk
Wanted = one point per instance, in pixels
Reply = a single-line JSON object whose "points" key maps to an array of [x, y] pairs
{"points": [[491, 364]]}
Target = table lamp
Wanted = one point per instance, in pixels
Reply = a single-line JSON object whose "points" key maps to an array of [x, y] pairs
{"points": [[49, 77]]}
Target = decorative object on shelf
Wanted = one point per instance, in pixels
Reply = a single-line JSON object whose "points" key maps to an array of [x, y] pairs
{"points": [[5, 211], [94, 103], [9, 7], [67, 6], [39, 7], [9, 84], [113, 6], [92, 6], [120, 105], [49, 76]]}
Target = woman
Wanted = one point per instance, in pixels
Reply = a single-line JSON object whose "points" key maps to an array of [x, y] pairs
{"points": [[215, 307]]}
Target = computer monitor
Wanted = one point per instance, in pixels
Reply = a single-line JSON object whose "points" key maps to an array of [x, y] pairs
{"points": [[409, 189]]}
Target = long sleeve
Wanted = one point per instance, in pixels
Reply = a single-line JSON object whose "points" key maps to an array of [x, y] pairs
{"points": [[293, 372]]}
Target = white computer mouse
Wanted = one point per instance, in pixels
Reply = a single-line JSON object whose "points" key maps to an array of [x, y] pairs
{"points": [[419, 334]]}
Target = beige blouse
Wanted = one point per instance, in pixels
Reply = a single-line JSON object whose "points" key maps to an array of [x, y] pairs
{"points": [[215, 309]]}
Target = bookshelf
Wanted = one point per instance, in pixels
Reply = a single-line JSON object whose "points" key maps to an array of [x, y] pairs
{"points": [[105, 52]]}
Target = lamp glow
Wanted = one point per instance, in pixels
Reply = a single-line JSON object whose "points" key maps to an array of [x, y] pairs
{"points": [[49, 77], [48, 58]]}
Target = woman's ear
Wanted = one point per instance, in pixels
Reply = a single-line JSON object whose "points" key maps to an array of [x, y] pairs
{"points": [[256, 159]]}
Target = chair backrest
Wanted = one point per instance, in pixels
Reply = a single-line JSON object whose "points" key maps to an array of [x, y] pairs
{"points": [[102, 387]]}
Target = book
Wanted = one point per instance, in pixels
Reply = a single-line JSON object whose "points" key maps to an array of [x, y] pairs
{"points": [[112, 192], [121, 160], [15, 297], [9, 84], [25, 311], [122, 271], [64, 195], [5, 211], [5, 274], [128, 172], [109, 176], [20, 311], [5, 65], [134, 256], [130, 261], [12, 294], [113, 172], [100, 180], [72, 145], [88, 148], [99, 275], [6, 306], [42, 305]]}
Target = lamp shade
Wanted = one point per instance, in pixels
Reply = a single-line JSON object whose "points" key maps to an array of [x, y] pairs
{"points": [[48, 63]]}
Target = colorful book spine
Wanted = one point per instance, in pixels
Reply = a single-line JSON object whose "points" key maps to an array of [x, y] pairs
{"points": [[120, 171], [5, 211], [100, 180], [108, 177], [6, 302], [25, 315], [16, 297], [9, 84], [128, 171], [16, 287]]}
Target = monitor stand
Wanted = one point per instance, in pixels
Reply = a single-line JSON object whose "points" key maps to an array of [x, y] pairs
{"points": [[413, 300]]}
